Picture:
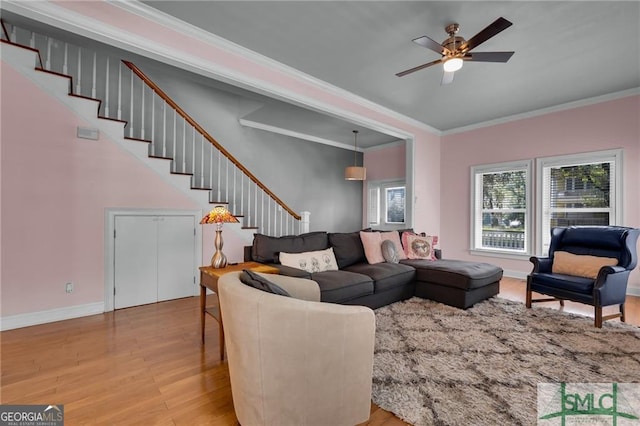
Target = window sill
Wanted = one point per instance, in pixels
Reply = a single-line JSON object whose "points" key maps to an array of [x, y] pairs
{"points": [[500, 254]]}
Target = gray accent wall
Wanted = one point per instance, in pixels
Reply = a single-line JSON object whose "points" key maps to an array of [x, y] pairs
{"points": [[307, 176]]}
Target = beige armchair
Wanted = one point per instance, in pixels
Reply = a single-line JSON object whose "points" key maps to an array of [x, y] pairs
{"points": [[295, 360]]}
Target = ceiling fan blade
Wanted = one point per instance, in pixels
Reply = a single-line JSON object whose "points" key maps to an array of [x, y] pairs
{"points": [[429, 43], [494, 28], [447, 77], [488, 56], [418, 68]]}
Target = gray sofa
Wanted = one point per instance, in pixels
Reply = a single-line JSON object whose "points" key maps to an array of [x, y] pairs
{"points": [[357, 282]]}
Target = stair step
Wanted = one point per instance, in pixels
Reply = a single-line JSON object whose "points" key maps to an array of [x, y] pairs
{"points": [[159, 157], [113, 119], [129, 138], [84, 97], [200, 189]]}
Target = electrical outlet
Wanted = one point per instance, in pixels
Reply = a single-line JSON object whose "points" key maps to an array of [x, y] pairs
{"points": [[68, 287]]}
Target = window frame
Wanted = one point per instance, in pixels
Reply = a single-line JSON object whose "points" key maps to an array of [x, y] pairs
{"points": [[381, 187], [476, 207], [615, 202]]}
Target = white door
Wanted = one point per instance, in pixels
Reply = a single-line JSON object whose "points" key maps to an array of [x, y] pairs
{"points": [[136, 261], [154, 259], [176, 257]]}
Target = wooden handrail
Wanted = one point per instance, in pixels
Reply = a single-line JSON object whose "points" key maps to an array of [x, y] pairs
{"points": [[207, 136]]}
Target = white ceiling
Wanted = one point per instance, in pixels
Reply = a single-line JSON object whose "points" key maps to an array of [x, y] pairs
{"points": [[566, 51]]}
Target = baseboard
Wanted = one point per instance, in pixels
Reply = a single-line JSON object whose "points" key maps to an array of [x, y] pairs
{"points": [[515, 274], [633, 291], [52, 315]]}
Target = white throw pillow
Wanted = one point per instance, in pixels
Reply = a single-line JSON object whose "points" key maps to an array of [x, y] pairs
{"points": [[311, 261]]}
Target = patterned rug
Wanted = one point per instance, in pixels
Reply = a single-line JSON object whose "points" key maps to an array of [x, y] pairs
{"points": [[439, 365]]}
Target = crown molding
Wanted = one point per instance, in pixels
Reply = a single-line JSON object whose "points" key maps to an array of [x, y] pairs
{"points": [[543, 111]]}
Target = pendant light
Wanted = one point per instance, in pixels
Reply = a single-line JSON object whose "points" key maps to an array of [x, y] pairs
{"points": [[354, 172]]}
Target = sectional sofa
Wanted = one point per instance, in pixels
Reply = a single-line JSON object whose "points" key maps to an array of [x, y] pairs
{"points": [[358, 282]]}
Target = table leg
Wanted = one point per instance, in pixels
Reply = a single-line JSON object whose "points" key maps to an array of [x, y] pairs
{"points": [[221, 338], [203, 303]]}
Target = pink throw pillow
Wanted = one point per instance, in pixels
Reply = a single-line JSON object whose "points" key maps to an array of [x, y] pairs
{"points": [[372, 243], [419, 247]]}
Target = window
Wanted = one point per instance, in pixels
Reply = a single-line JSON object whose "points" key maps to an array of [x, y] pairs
{"points": [[500, 202], [395, 205], [582, 189], [386, 204]]}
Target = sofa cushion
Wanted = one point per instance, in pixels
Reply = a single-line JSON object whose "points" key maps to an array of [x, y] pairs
{"points": [[266, 249], [260, 282], [385, 275], [455, 273], [347, 247], [342, 286], [567, 282], [311, 261]]}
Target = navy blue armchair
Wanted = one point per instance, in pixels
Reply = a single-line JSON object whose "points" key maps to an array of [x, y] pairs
{"points": [[577, 249]]}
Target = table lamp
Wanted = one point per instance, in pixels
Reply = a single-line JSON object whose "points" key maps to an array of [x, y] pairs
{"points": [[219, 215]]}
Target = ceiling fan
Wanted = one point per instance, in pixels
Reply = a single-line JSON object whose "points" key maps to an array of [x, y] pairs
{"points": [[455, 50]]}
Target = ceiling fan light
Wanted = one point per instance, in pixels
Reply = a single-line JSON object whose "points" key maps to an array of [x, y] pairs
{"points": [[452, 64]]}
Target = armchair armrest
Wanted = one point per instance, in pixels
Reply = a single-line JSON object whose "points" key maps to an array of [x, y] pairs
{"points": [[605, 272], [541, 264]]}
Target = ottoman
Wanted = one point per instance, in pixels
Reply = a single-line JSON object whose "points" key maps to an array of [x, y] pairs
{"points": [[456, 282]]}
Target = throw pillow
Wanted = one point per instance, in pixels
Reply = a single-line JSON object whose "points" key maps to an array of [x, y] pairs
{"points": [[311, 261], [582, 265], [394, 237], [347, 247], [254, 280], [418, 246], [265, 249], [390, 252], [372, 243]]}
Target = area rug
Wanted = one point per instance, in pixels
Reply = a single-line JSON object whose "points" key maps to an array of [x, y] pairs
{"points": [[439, 365]]}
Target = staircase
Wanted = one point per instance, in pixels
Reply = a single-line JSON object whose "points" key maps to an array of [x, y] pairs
{"points": [[144, 120]]}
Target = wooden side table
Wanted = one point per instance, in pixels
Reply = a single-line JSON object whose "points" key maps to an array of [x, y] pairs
{"points": [[209, 280]]}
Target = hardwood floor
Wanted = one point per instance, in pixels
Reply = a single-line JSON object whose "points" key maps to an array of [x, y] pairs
{"points": [[146, 365]]}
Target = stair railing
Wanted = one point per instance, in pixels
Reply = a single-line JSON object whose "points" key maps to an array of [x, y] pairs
{"points": [[127, 94]]}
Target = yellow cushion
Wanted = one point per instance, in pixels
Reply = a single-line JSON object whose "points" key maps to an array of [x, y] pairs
{"points": [[580, 265]]}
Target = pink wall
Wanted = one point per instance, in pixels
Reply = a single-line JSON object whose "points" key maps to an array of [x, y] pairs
{"points": [[386, 163], [55, 189], [607, 125]]}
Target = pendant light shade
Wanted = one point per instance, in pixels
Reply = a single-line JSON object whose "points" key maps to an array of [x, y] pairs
{"points": [[355, 172]]}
